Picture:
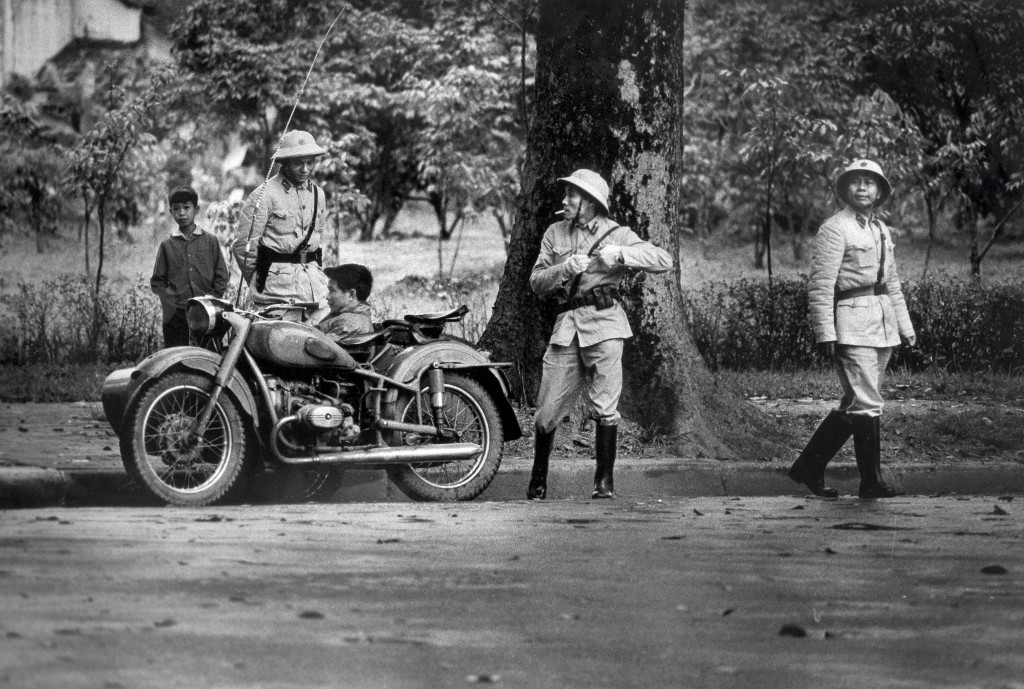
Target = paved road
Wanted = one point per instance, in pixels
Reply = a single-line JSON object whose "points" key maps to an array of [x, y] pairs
{"points": [[912, 592]]}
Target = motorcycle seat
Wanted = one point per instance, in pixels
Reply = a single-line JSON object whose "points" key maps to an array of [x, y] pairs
{"points": [[438, 317]]}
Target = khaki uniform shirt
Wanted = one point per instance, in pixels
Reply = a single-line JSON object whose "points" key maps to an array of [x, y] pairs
{"points": [[847, 252], [281, 223], [550, 278]]}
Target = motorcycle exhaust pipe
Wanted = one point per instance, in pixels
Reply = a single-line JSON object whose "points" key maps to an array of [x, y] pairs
{"points": [[420, 454], [379, 456]]}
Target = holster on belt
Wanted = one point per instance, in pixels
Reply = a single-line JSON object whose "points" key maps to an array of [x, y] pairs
{"points": [[600, 297], [267, 257]]}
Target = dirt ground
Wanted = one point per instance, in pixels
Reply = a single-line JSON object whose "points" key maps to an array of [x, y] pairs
{"points": [[77, 436], [921, 431]]}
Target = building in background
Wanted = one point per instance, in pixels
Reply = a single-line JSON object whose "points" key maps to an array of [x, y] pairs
{"points": [[34, 31]]}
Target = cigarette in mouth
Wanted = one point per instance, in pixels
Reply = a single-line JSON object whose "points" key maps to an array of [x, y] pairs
{"points": [[560, 212]]}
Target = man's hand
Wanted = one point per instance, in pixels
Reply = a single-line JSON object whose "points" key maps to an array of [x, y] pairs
{"points": [[576, 264], [608, 256], [909, 341], [827, 349]]}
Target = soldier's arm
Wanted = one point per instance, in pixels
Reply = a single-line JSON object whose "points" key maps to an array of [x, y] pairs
{"points": [[252, 221], [892, 282], [547, 276], [642, 255], [829, 245]]}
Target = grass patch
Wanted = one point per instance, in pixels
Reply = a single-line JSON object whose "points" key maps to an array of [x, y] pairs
{"points": [[933, 384], [979, 427], [52, 383]]}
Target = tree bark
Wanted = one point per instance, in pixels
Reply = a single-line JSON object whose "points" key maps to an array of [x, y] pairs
{"points": [[609, 97]]}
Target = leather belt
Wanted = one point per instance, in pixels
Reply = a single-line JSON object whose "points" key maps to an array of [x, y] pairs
{"points": [[302, 257], [868, 291]]}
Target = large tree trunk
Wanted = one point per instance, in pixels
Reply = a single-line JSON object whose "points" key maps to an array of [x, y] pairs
{"points": [[609, 97]]}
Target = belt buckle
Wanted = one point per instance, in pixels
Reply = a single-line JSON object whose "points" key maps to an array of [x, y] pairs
{"points": [[302, 256]]}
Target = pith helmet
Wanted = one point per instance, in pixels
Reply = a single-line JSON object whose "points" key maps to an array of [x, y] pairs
{"points": [[297, 143], [859, 167], [591, 183]]}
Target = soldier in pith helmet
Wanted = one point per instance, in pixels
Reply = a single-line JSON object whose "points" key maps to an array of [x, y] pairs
{"points": [[277, 242], [859, 317], [582, 260]]}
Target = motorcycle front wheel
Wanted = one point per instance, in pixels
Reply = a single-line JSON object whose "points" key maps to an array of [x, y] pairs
{"points": [[469, 411], [157, 451]]}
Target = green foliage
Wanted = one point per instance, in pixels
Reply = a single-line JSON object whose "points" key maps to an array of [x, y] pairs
{"points": [[961, 327], [30, 168], [106, 166], [64, 321], [409, 99], [955, 68], [747, 324]]}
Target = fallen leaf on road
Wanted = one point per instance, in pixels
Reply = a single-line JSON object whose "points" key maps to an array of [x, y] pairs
{"points": [[794, 630], [389, 540], [165, 623], [864, 526], [698, 512], [483, 679], [999, 510], [311, 615], [993, 569]]}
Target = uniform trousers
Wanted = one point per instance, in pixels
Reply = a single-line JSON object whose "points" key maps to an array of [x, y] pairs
{"points": [[597, 369], [861, 370]]}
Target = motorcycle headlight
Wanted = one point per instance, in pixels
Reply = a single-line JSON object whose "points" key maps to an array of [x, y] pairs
{"points": [[204, 315]]}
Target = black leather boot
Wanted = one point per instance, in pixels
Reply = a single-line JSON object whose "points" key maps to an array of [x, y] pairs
{"points": [[542, 442], [809, 468], [867, 441], [604, 484]]}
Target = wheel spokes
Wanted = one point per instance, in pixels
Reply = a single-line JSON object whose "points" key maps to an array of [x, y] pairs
{"points": [[463, 417], [176, 459]]}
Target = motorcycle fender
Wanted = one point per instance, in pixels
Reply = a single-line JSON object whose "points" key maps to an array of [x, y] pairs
{"points": [[122, 387], [410, 364]]}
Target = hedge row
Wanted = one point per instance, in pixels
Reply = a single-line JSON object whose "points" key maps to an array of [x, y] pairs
{"points": [[64, 321], [737, 325], [960, 326]]}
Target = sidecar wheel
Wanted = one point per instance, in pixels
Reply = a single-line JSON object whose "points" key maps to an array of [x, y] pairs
{"points": [[154, 452], [469, 411]]}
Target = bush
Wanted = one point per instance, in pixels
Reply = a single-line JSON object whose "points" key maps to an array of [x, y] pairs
{"points": [[745, 325], [62, 321]]}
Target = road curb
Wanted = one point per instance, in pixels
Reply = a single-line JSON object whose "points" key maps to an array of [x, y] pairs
{"points": [[25, 487]]}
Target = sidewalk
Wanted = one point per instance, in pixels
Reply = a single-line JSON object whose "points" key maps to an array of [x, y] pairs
{"points": [[66, 454]]}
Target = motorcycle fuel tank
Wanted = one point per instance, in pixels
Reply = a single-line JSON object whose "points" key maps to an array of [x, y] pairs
{"points": [[292, 344]]}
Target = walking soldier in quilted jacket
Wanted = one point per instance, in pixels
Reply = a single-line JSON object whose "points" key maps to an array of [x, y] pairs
{"points": [[859, 317]]}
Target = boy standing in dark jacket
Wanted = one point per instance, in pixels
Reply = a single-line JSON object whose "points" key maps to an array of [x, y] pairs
{"points": [[189, 264]]}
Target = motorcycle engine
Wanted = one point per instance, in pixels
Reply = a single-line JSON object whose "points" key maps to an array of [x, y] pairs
{"points": [[325, 410]]}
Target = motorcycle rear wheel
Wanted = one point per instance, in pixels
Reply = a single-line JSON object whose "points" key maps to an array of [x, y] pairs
{"points": [[155, 454], [470, 412]]}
